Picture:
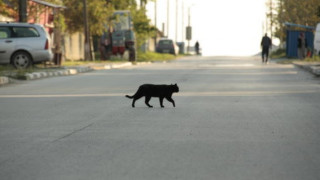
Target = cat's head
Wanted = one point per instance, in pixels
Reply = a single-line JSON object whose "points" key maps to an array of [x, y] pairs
{"points": [[175, 88]]}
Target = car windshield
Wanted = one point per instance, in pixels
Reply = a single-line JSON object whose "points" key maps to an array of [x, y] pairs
{"points": [[165, 42]]}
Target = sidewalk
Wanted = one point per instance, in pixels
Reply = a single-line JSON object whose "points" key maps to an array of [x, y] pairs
{"points": [[69, 70]]}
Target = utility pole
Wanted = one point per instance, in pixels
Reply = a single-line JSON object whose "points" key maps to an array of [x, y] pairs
{"points": [[182, 17], [189, 31], [176, 20], [168, 9], [87, 47], [23, 11], [155, 24], [271, 19]]}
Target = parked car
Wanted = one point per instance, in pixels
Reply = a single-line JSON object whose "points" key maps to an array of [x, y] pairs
{"points": [[23, 44], [167, 46]]}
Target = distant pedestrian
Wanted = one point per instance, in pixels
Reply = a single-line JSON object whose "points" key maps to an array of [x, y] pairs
{"points": [[197, 46], [266, 44], [302, 44]]}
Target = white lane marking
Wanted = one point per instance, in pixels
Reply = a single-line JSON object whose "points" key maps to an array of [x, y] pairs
{"points": [[246, 93], [59, 95], [214, 73], [213, 93], [234, 65]]}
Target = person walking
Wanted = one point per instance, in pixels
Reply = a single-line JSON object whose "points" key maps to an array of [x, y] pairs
{"points": [[197, 46], [266, 44], [302, 44]]}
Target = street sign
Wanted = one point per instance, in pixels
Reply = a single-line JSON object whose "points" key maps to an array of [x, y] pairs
{"points": [[189, 33]]}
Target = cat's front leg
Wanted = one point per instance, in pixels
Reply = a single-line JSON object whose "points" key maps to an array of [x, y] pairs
{"points": [[161, 101], [171, 100]]}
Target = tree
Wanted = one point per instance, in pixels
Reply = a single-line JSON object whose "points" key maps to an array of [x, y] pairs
{"points": [[9, 8], [142, 26], [90, 15], [99, 11], [123, 4], [295, 11]]}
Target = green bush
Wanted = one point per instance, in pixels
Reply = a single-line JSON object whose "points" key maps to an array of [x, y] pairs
{"points": [[279, 53], [152, 56], [314, 58]]}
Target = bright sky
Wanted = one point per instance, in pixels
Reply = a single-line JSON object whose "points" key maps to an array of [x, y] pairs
{"points": [[222, 27]]}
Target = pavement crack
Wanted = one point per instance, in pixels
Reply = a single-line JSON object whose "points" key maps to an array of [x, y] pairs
{"points": [[73, 132]]}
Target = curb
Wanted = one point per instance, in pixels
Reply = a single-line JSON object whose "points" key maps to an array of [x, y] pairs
{"points": [[110, 66], [4, 80], [70, 71], [38, 75], [73, 71], [312, 68]]}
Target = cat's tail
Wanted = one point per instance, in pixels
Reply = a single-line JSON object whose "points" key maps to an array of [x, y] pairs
{"points": [[130, 97]]}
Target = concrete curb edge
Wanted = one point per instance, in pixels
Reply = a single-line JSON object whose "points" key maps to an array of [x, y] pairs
{"points": [[70, 71], [314, 69]]}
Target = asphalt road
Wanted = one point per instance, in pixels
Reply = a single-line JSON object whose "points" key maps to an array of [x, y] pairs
{"points": [[235, 119]]}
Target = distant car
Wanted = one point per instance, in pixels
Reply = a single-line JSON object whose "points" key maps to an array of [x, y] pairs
{"points": [[167, 46], [23, 44]]}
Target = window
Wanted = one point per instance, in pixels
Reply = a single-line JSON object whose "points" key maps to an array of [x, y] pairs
{"points": [[25, 32], [4, 32]]}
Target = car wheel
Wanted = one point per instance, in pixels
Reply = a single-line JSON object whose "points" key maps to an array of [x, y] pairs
{"points": [[21, 60]]}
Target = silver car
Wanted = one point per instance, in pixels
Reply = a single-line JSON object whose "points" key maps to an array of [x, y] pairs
{"points": [[23, 44]]}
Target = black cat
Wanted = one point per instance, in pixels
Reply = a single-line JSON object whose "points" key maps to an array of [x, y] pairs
{"points": [[152, 90]]}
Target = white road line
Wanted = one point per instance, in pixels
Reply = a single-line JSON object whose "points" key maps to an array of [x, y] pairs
{"points": [[184, 94], [59, 95], [246, 93]]}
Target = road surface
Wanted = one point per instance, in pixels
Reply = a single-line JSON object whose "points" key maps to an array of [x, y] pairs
{"points": [[235, 119]]}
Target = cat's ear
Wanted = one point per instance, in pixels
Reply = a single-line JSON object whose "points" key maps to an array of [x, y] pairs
{"points": [[176, 84]]}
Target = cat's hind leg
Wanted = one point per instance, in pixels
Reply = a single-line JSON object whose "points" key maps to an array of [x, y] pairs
{"points": [[147, 101], [133, 101], [135, 97]]}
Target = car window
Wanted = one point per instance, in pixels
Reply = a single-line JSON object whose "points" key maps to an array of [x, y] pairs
{"points": [[4, 32], [25, 32], [165, 42]]}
